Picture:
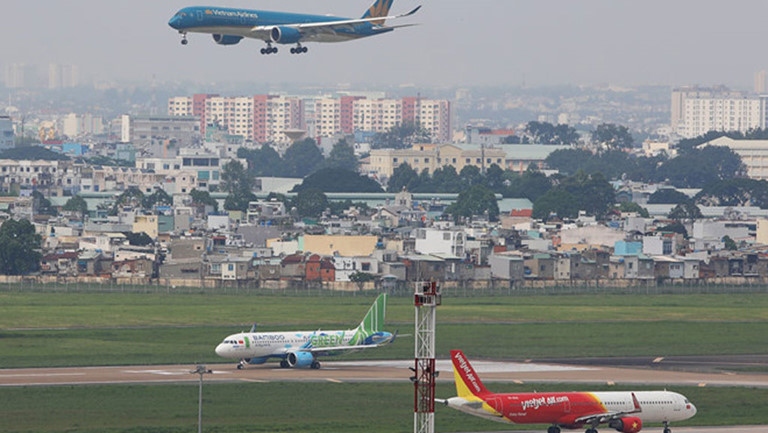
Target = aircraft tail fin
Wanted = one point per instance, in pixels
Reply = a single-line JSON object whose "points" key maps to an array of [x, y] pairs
{"points": [[373, 321], [379, 8], [467, 381]]}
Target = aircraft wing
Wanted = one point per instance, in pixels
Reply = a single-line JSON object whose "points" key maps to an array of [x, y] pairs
{"points": [[338, 348], [607, 416], [263, 32]]}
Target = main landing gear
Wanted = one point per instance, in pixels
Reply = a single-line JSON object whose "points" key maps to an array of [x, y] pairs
{"points": [[299, 49], [269, 50], [553, 429]]}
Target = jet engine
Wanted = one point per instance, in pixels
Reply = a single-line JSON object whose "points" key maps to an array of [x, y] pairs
{"points": [[285, 35], [300, 359], [226, 39], [629, 424]]}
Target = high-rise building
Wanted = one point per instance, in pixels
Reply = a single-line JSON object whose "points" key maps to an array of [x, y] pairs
{"points": [[62, 76], [760, 82], [6, 133], [267, 118], [696, 111]]}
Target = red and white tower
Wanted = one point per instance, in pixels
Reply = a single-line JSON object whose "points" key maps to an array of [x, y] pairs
{"points": [[426, 299]]}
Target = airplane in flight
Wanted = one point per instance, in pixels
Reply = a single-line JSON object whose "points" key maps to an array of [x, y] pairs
{"points": [[625, 411], [301, 348], [228, 26]]}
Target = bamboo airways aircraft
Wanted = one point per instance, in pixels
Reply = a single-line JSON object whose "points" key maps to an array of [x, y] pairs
{"points": [[301, 348], [228, 25], [623, 411]]}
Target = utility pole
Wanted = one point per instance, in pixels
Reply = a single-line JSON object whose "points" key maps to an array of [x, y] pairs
{"points": [[426, 299], [201, 370]]}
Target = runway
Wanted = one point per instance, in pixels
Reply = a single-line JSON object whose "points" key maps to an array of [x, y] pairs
{"points": [[372, 371], [391, 371]]}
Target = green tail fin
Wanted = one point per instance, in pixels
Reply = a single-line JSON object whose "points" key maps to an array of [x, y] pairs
{"points": [[373, 321]]}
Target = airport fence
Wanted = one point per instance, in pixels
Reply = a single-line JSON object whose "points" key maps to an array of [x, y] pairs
{"points": [[486, 288]]}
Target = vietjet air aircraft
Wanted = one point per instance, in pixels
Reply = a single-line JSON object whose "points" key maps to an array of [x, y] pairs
{"points": [[228, 26], [623, 411], [301, 348]]}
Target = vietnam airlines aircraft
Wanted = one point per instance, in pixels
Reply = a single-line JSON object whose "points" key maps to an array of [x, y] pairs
{"points": [[228, 26], [623, 411], [301, 348]]}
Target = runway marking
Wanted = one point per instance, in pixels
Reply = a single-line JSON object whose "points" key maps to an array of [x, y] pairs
{"points": [[658, 360], [334, 380], [169, 372], [41, 374]]}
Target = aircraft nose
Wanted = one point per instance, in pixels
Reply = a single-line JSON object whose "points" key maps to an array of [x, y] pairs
{"points": [[175, 22], [692, 409], [221, 350]]}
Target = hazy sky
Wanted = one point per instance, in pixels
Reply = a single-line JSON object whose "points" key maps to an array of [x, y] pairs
{"points": [[459, 42]]}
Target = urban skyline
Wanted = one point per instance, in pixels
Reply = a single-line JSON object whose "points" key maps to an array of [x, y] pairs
{"points": [[457, 43]]}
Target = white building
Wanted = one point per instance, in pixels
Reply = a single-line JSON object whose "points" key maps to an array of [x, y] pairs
{"points": [[753, 153], [435, 241], [696, 111]]}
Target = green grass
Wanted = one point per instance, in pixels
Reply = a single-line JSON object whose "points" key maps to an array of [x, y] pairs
{"points": [[57, 329], [291, 407], [68, 329]]}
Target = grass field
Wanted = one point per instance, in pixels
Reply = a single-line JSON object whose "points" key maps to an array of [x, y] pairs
{"points": [[59, 329], [62, 329], [292, 407]]}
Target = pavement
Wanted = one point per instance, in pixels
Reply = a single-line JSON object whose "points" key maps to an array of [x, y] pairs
{"points": [[392, 371]]}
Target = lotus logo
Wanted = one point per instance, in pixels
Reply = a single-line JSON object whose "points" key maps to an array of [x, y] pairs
{"points": [[379, 9]]}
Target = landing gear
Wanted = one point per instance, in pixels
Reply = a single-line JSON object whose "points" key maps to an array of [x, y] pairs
{"points": [[269, 50], [553, 429], [184, 40], [315, 365], [666, 427], [591, 430], [299, 49], [284, 364], [241, 364]]}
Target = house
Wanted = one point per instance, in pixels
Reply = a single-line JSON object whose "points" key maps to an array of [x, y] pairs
{"points": [[540, 267], [423, 267], [507, 266]]}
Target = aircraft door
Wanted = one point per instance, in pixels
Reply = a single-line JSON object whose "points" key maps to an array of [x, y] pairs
{"points": [[199, 15]]}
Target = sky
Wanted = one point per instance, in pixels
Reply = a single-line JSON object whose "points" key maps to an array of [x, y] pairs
{"points": [[458, 43]]}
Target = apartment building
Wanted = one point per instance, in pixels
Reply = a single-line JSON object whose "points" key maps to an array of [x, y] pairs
{"points": [[696, 110], [6, 133], [270, 118]]}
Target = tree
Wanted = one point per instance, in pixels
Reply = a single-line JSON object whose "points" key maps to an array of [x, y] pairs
{"points": [[302, 158], [735, 192], [401, 136], [475, 200], [138, 239], [633, 207], [200, 199], [611, 136], [158, 198], [360, 278], [310, 203], [338, 180], [19, 248], [668, 196], [342, 156], [42, 205], [685, 211], [557, 201], [730, 244], [699, 167], [77, 204], [238, 183], [264, 161], [403, 176]]}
